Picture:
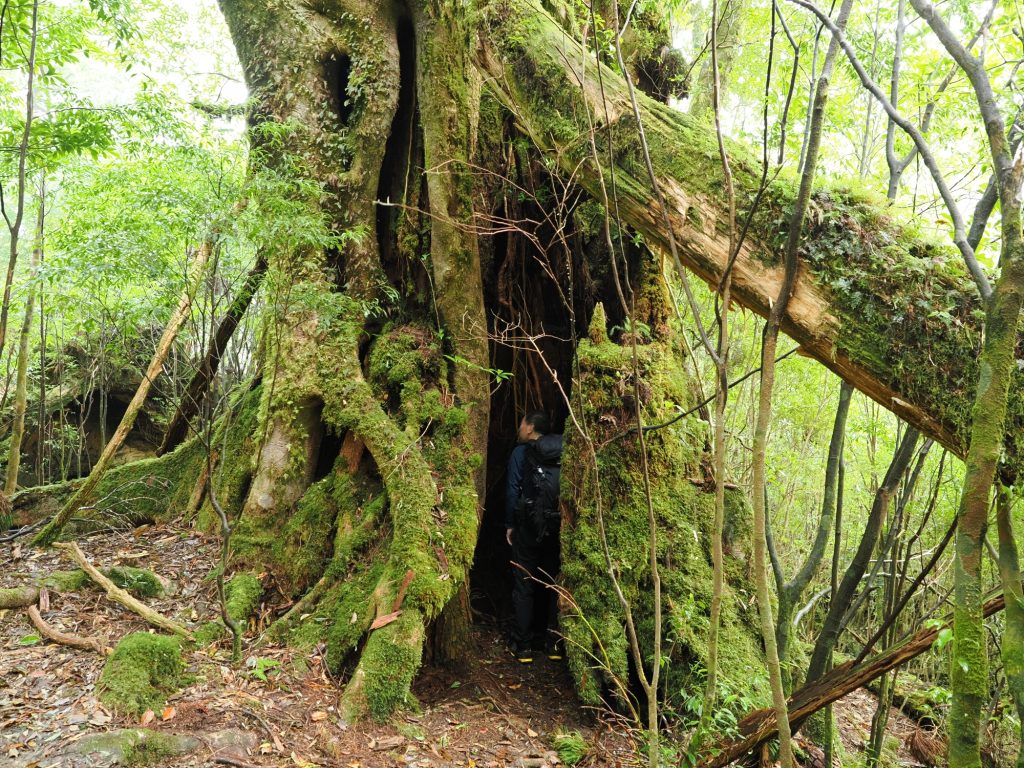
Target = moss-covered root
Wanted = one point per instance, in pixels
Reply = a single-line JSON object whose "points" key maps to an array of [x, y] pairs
{"points": [[143, 670], [18, 597], [242, 594], [382, 680]]}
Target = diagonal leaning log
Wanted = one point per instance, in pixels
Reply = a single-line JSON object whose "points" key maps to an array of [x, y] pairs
{"points": [[876, 302], [761, 725]]}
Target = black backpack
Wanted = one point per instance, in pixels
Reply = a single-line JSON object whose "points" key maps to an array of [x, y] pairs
{"points": [[540, 514]]}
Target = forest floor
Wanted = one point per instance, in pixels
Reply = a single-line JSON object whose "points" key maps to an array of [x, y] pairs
{"points": [[493, 712]]}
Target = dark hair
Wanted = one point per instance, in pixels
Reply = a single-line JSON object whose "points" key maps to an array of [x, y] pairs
{"points": [[539, 421]]}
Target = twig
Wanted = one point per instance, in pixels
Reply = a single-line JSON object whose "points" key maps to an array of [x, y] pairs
{"points": [[233, 761], [118, 595], [66, 638]]}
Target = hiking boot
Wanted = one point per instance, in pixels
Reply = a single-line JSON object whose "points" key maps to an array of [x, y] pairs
{"points": [[555, 650], [523, 653]]}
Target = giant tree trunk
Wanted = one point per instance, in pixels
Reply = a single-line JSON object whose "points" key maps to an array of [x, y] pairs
{"points": [[358, 90], [371, 423]]}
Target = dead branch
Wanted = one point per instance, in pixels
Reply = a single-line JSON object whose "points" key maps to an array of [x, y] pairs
{"points": [[66, 638], [118, 595]]}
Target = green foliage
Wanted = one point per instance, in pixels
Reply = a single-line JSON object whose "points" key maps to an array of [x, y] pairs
{"points": [[571, 747], [261, 668]]}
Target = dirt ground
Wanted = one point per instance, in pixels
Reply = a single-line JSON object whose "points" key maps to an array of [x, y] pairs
{"points": [[494, 712]]}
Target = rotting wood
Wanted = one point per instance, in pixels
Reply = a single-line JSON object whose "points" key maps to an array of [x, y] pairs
{"points": [[760, 726], [66, 638], [118, 595], [530, 65]]}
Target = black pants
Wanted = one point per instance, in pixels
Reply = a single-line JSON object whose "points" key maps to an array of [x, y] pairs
{"points": [[535, 565]]}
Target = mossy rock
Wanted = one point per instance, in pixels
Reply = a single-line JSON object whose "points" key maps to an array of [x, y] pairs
{"points": [[137, 581], [135, 746], [65, 581], [143, 670]]}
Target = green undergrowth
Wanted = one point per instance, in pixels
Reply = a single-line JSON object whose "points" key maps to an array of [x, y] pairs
{"points": [[683, 500], [141, 672]]}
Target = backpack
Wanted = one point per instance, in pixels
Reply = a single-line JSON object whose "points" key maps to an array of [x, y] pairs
{"points": [[539, 500]]}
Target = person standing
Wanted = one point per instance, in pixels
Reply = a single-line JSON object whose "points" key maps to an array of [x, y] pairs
{"points": [[532, 521]]}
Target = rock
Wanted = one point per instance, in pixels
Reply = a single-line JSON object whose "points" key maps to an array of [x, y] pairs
{"points": [[132, 746]]}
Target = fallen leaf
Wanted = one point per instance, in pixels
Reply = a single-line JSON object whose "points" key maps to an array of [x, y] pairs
{"points": [[318, 716], [383, 621], [266, 748], [532, 733], [148, 717], [168, 713], [515, 686]]}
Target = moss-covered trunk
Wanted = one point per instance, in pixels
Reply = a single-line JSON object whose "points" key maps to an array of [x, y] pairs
{"points": [[373, 411]]}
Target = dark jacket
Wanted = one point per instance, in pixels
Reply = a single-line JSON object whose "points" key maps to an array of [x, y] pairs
{"points": [[547, 449]]}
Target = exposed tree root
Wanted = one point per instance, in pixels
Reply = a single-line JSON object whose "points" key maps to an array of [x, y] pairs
{"points": [[66, 638]]}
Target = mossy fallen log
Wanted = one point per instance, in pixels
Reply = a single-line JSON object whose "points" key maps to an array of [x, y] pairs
{"points": [[877, 302]]}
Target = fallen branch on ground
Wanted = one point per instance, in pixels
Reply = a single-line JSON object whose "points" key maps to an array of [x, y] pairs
{"points": [[66, 638], [760, 726], [118, 595]]}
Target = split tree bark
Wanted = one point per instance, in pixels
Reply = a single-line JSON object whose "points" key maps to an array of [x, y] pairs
{"points": [[855, 315]]}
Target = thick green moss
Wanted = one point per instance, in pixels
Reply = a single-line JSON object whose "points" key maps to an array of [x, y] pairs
{"points": [[138, 581], [209, 633], [141, 672], [683, 503], [242, 594], [389, 661]]}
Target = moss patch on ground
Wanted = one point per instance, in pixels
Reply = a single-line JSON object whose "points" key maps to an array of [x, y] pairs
{"points": [[143, 670], [138, 581]]}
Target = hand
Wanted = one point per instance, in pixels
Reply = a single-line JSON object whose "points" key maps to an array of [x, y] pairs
{"points": [[508, 535]]}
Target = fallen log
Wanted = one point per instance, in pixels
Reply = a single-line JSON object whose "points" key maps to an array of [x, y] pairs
{"points": [[66, 638], [889, 310], [118, 595], [761, 725], [18, 597]]}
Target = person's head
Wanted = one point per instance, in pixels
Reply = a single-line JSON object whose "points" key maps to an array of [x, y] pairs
{"points": [[533, 425]]}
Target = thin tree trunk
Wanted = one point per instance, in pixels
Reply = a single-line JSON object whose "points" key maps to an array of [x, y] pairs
{"points": [[1013, 635], [83, 495], [791, 592], [841, 599], [190, 401], [21, 390]]}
